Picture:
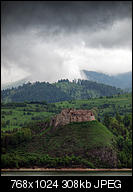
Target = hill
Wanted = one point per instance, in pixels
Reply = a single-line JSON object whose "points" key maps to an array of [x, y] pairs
{"points": [[73, 145], [63, 90], [34, 92], [123, 81], [83, 139]]}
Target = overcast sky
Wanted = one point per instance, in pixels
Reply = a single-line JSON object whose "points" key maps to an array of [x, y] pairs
{"points": [[47, 41]]}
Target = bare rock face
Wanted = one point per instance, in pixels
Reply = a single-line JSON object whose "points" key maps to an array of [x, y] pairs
{"points": [[72, 115]]}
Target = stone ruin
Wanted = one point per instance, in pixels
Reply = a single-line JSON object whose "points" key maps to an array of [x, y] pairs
{"points": [[72, 115]]}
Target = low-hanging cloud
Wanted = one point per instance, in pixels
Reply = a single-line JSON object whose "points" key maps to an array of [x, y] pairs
{"points": [[50, 41]]}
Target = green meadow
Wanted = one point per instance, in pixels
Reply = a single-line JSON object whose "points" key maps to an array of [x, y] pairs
{"points": [[17, 117]]}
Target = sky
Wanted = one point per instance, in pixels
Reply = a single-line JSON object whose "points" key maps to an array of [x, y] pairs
{"points": [[48, 41]]}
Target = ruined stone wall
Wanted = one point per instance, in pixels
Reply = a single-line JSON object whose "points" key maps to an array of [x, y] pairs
{"points": [[72, 115]]}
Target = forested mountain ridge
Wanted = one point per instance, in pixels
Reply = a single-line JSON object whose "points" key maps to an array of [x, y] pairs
{"points": [[60, 91]]}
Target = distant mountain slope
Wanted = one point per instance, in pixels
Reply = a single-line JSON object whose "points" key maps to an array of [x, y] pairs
{"points": [[123, 81], [84, 89], [60, 91]]}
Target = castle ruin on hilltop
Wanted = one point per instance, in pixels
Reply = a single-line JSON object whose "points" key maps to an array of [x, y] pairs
{"points": [[72, 115]]}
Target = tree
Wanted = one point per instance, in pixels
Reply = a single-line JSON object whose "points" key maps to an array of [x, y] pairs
{"points": [[127, 120], [118, 117], [106, 120], [3, 123]]}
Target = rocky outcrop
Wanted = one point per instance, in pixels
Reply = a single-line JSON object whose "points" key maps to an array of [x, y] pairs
{"points": [[72, 115], [104, 156]]}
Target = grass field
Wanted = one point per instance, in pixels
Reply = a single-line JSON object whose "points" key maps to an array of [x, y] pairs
{"points": [[16, 117]]}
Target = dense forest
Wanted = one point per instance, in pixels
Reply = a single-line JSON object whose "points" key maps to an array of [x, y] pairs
{"points": [[27, 139], [63, 90]]}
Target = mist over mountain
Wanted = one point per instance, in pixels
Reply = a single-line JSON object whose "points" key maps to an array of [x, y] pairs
{"points": [[14, 84], [123, 81]]}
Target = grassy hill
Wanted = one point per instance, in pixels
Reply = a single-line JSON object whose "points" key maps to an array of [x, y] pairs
{"points": [[78, 136]]}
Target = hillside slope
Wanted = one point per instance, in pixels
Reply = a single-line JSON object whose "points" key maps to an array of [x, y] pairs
{"points": [[78, 136], [34, 92]]}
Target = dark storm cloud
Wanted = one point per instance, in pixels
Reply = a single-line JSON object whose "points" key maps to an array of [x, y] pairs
{"points": [[70, 16]]}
